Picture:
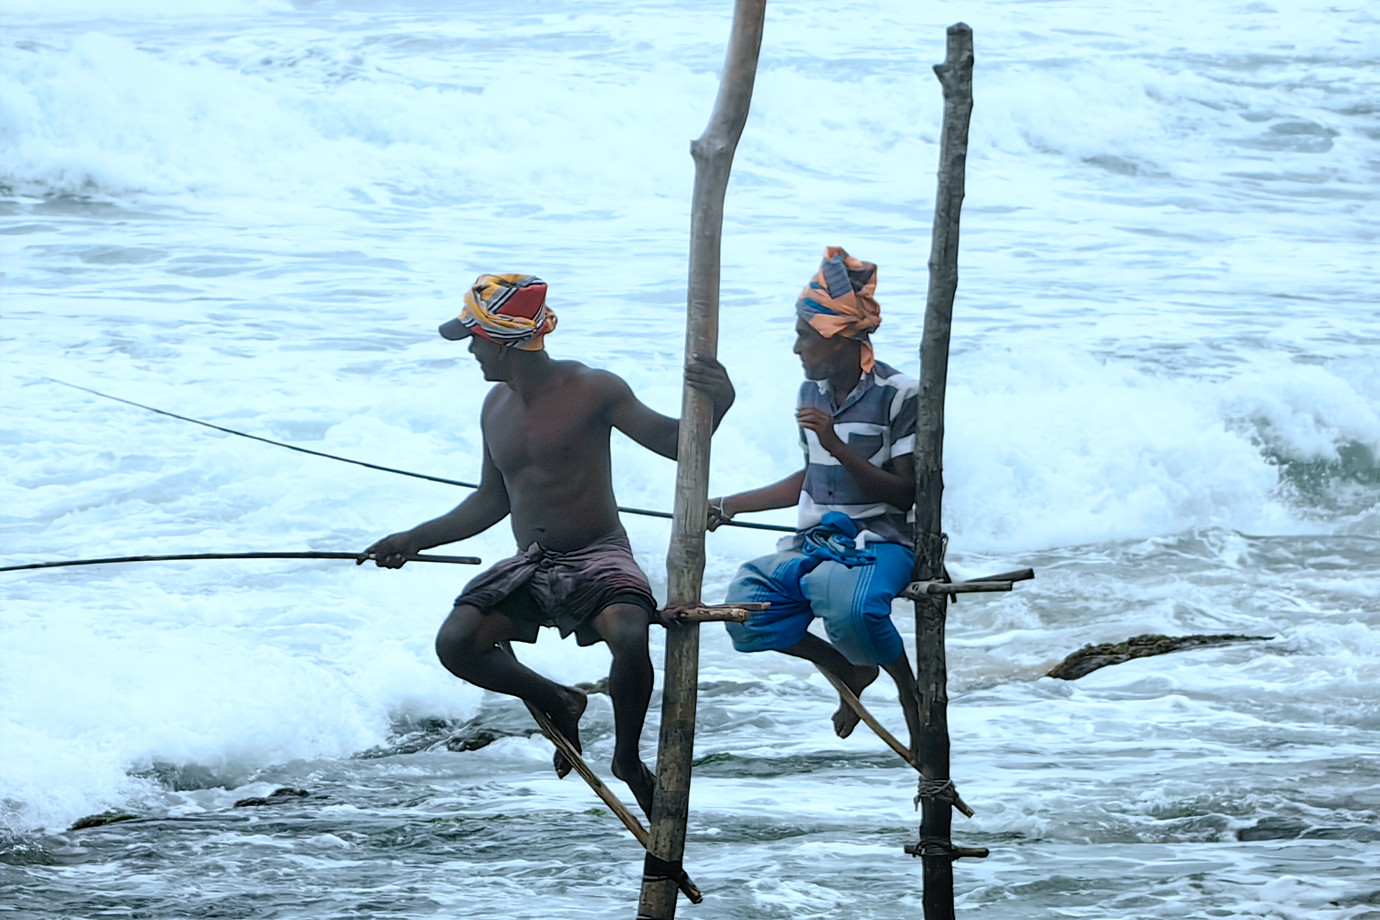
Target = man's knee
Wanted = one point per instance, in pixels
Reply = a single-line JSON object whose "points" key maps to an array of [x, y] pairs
{"points": [[462, 633], [746, 584], [757, 580], [864, 637], [623, 627]]}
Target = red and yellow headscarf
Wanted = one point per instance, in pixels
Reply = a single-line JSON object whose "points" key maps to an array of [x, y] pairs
{"points": [[508, 310]]}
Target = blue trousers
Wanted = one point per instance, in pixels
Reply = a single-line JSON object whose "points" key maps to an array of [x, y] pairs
{"points": [[853, 601]]}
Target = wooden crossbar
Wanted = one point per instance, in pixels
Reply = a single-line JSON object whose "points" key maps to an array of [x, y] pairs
{"points": [[714, 613], [988, 583]]}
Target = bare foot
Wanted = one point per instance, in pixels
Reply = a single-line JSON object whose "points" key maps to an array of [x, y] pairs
{"points": [[566, 720], [642, 783], [845, 719]]}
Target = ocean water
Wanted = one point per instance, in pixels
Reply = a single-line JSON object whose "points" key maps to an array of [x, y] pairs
{"points": [[1163, 396]]}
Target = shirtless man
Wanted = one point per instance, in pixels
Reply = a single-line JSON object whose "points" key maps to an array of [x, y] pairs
{"points": [[546, 427], [854, 546]]}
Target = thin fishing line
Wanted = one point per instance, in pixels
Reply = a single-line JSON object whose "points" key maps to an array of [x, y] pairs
{"points": [[255, 437], [372, 466]]}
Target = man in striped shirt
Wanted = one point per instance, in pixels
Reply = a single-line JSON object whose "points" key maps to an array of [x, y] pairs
{"points": [[853, 550]]}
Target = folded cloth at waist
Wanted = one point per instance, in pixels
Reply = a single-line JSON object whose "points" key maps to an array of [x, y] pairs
{"points": [[837, 537], [543, 587]]}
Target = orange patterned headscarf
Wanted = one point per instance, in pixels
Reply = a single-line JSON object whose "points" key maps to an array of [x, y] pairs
{"points": [[838, 300]]}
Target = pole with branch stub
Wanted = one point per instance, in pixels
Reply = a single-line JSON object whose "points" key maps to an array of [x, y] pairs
{"points": [[713, 155], [937, 794]]}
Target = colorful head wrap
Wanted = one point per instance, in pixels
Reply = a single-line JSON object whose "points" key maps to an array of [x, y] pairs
{"points": [[838, 300], [505, 309]]}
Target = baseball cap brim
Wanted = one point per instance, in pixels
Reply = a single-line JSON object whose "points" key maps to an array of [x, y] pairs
{"points": [[454, 330]]}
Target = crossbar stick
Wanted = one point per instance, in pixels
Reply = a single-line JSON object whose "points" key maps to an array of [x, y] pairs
{"points": [[1018, 575]]}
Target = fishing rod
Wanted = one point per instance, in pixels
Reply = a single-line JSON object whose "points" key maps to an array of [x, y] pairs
{"points": [[645, 512], [180, 557]]}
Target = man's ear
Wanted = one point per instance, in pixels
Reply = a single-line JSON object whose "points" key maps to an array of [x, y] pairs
{"points": [[848, 351]]}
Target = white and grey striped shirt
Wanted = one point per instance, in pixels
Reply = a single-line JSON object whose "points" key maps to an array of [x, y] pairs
{"points": [[878, 421]]}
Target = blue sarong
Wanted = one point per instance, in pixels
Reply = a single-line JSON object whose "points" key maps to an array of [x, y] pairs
{"points": [[849, 587]]}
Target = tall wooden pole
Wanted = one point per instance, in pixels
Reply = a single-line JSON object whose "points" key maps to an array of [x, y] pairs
{"points": [[936, 792], [713, 153]]}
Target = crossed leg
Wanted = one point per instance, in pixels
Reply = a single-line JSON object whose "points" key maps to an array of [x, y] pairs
{"points": [[624, 628], [469, 645], [857, 677], [830, 660]]}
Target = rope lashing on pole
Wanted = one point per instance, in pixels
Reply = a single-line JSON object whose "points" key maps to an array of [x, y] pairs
{"points": [[933, 547], [182, 557], [645, 512], [942, 790]]}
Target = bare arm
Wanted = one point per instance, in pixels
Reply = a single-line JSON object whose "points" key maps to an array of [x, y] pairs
{"points": [[659, 433], [782, 494], [484, 508]]}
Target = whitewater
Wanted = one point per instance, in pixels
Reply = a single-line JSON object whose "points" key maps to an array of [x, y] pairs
{"points": [[1164, 395]]}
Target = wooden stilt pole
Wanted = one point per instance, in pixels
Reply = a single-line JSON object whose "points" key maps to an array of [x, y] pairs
{"points": [[936, 791], [713, 154]]}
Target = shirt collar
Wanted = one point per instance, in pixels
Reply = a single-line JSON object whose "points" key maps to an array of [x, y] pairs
{"points": [[865, 383]]}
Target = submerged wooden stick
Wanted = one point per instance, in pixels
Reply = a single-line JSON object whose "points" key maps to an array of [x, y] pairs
{"points": [[713, 155], [181, 557]]}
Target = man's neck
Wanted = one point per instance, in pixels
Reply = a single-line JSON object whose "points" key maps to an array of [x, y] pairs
{"points": [[842, 381], [530, 371]]}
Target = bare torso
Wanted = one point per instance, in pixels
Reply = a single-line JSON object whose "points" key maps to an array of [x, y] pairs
{"points": [[553, 453]]}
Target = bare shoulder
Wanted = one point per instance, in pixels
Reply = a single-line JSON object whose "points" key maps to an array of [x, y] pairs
{"points": [[491, 398], [597, 383], [494, 401]]}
